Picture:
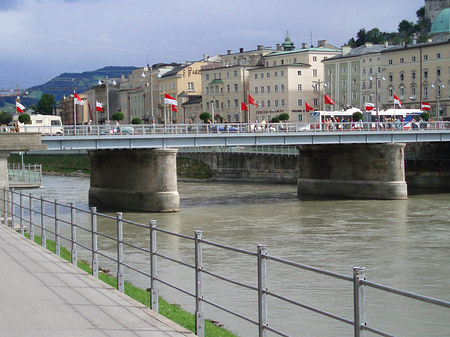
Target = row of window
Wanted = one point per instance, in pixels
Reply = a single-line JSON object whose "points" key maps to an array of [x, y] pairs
{"points": [[275, 74], [276, 88], [173, 86], [290, 61], [218, 76], [414, 58]]}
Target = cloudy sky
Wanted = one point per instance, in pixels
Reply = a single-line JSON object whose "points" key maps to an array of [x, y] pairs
{"points": [[39, 39]]}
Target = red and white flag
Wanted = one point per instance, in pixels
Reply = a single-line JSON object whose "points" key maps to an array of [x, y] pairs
{"points": [[251, 100], [244, 107], [19, 108], [397, 101], [426, 106], [308, 107], [173, 108], [77, 99], [369, 106], [169, 100], [98, 106], [328, 100]]}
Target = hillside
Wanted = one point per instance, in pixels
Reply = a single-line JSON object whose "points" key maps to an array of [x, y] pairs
{"points": [[65, 84]]}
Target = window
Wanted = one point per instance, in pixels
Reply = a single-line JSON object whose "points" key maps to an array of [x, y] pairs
{"points": [[364, 84], [438, 55], [228, 88], [283, 102], [390, 62], [276, 102], [364, 71], [207, 90], [256, 76], [275, 74], [438, 72], [344, 70], [228, 103], [275, 87], [262, 104], [282, 87], [354, 95], [370, 59], [370, 71], [236, 87], [274, 63], [268, 75], [190, 86], [413, 75], [300, 117], [413, 59], [425, 91], [216, 89], [425, 74], [268, 88], [236, 103], [314, 72], [262, 90], [207, 77], [268, 103], [282, 73], [256, 90], [344, 83], [295, 60], [299, 87], [391, 92], [391, 78], [402, 60], [299, 102], [315, 102], [262, 75], [402, 77], [299, 73], [402, 91], [315, 58], [425, 57], [413, 91]]}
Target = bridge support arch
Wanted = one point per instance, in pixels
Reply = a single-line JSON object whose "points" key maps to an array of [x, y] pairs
{"points": [[370, 171], [140, 179]]}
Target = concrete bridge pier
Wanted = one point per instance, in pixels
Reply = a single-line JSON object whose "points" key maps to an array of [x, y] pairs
{"points": [[369, 171], [140, 179]]}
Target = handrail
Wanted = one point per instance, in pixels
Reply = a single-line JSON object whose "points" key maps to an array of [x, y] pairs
{"points": [[13, 207]]}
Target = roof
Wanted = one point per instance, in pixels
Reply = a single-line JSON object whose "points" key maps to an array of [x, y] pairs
{"points": [[362, 50], [193, 99], [441, 24], [295, 51], [175, 70]]}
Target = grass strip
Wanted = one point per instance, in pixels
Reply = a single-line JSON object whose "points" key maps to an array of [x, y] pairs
{"points": [[169, 310]]}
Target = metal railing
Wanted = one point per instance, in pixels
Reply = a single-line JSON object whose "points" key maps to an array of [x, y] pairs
{"points": [[50, 217], [259, 149], [27, 173], [245, 128]]}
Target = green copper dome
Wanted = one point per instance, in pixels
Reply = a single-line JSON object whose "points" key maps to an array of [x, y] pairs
{"points": [[288, 44], [441, 24]]}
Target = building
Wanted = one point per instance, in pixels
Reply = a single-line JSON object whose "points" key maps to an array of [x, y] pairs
{"points": [[225, 84], [355, 76], [105, 92], [288, 79], [65, 109]]}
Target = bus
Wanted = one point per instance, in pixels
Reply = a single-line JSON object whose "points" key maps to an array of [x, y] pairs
{"points": [[45, 124]]}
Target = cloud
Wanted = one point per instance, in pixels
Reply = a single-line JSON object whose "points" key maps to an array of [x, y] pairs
{"points": [[6, 5]]}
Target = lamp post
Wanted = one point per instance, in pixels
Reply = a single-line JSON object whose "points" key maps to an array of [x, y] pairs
{"points": [[107, 81], [438, 85], [316, 86], [376, 91]]}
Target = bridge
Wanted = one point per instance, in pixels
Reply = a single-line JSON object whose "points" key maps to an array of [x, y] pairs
{"points": [[134, 167]]}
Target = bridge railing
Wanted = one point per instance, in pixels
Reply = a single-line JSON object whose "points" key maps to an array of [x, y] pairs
{"points": [[65, 222], [245, 128]]}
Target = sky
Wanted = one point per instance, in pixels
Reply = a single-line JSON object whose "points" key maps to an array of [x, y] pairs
{"points": [[40, 39]]}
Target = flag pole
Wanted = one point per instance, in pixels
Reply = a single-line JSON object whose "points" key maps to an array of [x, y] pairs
{"points": [[74, 111]]}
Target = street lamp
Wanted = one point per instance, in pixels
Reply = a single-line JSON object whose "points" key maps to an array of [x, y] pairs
{"points": [[438, 85], [316, 86], [376, 91], [107, 82]]}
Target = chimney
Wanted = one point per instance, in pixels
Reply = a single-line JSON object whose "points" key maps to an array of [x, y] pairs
{"points": [[260, 47], [321, 43], [345, 50], [368, 44], [229, 52], [205, 57], [386, 44], [279, 47], [304, 45], [241, 50]]}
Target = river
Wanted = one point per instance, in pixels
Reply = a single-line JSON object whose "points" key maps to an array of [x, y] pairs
{"points": [[403, 244]]}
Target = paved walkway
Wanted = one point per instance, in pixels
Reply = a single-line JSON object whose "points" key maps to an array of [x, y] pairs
{"points": [[43, 295]]}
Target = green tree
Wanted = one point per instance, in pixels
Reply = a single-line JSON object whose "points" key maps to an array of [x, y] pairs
{"points": [[118, 116], [405, 28], [357, 116], [136, 120], [46, 104], [375, 36], [275, 119], [5, 118], [283, 117], [425, 116], [25, 118], [204, 116]]}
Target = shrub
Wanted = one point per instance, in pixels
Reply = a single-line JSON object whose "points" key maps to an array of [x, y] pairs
{"points": [[136, 120], [118, 116], [425, 116], [25, 118], [283, 117], [204, 116], [275, 119], [357, 116]]}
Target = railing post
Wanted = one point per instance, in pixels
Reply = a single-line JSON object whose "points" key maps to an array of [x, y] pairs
{"points": [[22, 229], [57, 239], [73, 236], [120, 281], [5, 207], [199, 316], [43, 232], [94, 242], [31, 218], [13, 225], [262, 288], [359, 301], [154, 292]]}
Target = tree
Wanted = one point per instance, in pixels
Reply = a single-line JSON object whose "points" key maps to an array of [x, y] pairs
{"points": [[205, 116], [25, 118], [283, 117], [425, 115], [118, 116], [136, 120], [275, 119], [405, 28], [357, 116], [46, 104], [5, 118], [375, 36]]}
